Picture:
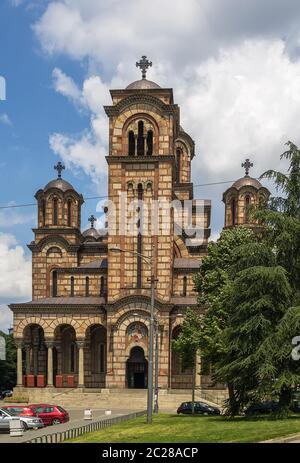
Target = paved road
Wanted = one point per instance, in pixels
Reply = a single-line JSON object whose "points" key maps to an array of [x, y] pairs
{"points": [[76, 417]]}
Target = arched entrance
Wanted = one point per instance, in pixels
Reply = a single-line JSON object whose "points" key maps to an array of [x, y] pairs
{"points": [[137, 369]]}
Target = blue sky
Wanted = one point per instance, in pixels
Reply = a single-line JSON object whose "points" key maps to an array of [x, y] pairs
{"points": [[234, 67]]}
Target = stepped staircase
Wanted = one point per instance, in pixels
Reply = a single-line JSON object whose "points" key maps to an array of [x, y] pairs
{"points": [[117, 398]]}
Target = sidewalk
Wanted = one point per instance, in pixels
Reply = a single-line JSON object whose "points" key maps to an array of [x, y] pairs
{"points": [[291, 439]]}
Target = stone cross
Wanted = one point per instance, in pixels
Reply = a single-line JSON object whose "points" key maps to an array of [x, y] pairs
{"points": [[247, 165], [92, 219], [144, 64], [59, 167]]}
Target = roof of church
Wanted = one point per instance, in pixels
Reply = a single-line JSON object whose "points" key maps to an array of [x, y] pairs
{"points": [[142, 84], [55, 301], [91, 233], [247, 181], [60, 184]]}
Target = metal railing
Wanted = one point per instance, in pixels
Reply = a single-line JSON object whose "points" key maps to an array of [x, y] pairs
{"points": [[76, 431]]}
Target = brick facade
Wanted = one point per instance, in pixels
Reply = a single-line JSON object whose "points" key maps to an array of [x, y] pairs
{"points": [[89, 315]]}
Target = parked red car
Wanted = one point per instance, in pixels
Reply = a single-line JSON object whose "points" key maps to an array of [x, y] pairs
{"points": [[50, 414], [20, 410]]}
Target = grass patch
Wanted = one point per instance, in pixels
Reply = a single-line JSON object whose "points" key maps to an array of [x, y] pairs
{"points": [[168, 428]]}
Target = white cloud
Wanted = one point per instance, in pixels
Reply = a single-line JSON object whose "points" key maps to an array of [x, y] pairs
{"points": [[6, 318], [16, 3], [15, 269], [232, 66], [65, 85], [4, 119], [88, 149], [12, 217]]}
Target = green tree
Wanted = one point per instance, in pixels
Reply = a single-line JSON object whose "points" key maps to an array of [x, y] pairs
{"points": [[259, 298], [213, 283], [187, 345], [8, 367]]}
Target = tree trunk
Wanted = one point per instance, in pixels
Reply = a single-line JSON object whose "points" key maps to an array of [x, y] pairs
{"points": [[233, 403], [285, 400]]}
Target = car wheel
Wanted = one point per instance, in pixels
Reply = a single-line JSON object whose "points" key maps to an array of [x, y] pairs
{"points": [[56, 421], [24, 425]]}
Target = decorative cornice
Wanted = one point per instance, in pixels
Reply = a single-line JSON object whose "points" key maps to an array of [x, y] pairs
{"points": [[126, 300], [82, 270], [37, 247], [187, 139], [155, 159], [138, 98]]}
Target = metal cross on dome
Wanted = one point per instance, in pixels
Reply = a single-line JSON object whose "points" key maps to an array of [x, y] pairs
{"points": [[92, 219], [247, 165], [59, 167], [144, 64]]}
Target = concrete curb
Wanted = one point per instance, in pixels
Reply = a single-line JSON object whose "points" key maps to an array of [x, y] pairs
{"points": [[283, 440]]}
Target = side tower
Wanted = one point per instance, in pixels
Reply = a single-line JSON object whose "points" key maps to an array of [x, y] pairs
{"points": [[244, 193], [57, 236]]}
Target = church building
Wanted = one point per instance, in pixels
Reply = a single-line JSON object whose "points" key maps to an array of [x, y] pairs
{"points": [[87, 324]]}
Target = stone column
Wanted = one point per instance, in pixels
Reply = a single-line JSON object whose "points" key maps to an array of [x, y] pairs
{"points": [[109, 381], [80, 345], [50, 345], [19, 363]]}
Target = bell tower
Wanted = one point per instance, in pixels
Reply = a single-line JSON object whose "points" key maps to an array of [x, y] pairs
{"points": [[241, 196], [143, 127]]}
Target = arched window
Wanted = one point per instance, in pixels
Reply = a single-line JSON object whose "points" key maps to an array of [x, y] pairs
{"points": [[140, 139], [55, 211], [102, 358], [102, 287], [149, 143], [247, 208], [131, 143], [233, 211], [69, 213], [54, 283], [184, 286], [72, 357], [72, 286], [87, 287], [178, 165]]}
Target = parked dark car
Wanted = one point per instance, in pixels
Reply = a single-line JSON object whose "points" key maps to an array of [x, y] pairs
{"points": [[201, 408], [7, 393], [50, 414], [263, 408]]}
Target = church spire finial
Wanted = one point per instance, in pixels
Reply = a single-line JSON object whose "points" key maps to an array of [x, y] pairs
{"points": [[247, 165], [59, 167], [144, 64], [92, 219]]}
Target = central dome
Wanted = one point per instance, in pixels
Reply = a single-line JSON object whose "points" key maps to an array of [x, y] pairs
{"points": [[143, 84]]}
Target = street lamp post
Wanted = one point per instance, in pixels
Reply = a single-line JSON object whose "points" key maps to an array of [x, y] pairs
{"points": [[148, 261], [156, 370]]}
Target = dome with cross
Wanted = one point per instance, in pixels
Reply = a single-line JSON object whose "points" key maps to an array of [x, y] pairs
{"points": [[143, 83], [59, 182]]}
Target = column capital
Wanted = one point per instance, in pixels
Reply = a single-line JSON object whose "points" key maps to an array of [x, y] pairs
{"points": [[19, 343], [49, 343], [80, 343]]}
